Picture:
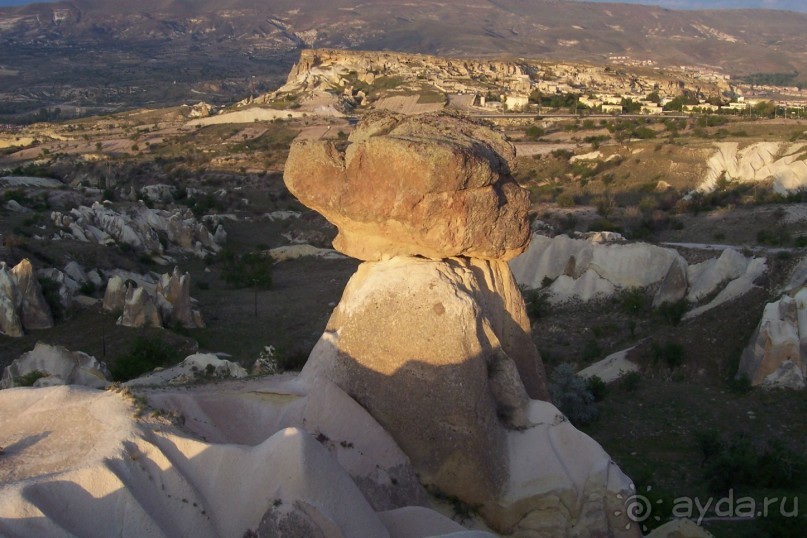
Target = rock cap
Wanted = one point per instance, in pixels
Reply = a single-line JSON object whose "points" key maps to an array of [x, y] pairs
{"points": [[434, 185]]}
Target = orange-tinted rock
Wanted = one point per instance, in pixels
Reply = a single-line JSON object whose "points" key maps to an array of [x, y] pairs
{"points": [[436, 186]]}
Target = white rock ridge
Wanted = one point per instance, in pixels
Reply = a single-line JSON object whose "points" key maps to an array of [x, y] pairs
{"points": [[196, 367], [138, 227], [130, 477], [588, 269], [57, 366], [783, 163], [611, 367]]}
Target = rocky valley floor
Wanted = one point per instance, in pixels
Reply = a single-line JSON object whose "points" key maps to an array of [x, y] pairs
{"points": [[682, 421]]}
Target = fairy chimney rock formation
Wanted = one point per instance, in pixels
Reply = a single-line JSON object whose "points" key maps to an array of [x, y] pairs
{"points": [[431, 335]]}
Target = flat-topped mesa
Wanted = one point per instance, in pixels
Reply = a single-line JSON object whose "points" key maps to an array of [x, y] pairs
{"points": [[435, 185]]}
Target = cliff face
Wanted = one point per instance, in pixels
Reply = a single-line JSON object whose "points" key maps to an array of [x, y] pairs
{"points": [[400, 64]]}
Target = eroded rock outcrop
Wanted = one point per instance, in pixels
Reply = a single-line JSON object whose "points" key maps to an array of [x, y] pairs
{"points": [[426, 364], [586, 269], [781, 163], [775, 357], [138, 227], [285, 481], [431, 335], [196, 367], [56, 365], [167, 303], [22, 305]]}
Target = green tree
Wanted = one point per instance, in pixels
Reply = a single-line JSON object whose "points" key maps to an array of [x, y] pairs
{"points": [[248, 270], [764, 108], [678, 103], [629, 106]]}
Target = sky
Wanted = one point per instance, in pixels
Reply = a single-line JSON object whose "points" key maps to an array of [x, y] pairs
{"points": [[790, 5]]}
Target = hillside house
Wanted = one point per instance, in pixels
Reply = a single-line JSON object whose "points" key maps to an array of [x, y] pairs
{"points": [[516, 102]]}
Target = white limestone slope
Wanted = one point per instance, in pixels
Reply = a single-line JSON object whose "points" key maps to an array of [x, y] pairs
{"points": [[584, 270], [76, 462], [782, 163], [57, 366], [269, 455], [556, 472], [611, 367]]}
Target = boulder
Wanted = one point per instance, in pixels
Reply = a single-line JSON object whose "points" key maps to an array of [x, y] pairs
{"points": [[798, 276], [166, 302], [220, 235], [174, 300], [706, 277], [735, 288], [14, 206], [775, 341], [612, 367], [139, 309], [76, 272], [587, 287], [788, 375], [58, 366], [35, 312], [10, 323], [139, 227], [673, 287], [583, 269], [196, 367], [780, 163], [159, 192], [95, 278], [67, 286], [115, 294], [561, 483], [432, 185], [22, 305]]}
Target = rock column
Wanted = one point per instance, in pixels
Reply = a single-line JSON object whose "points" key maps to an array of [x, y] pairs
{"points": [[431, 335]]}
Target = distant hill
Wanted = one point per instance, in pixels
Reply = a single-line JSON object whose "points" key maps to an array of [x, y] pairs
{"points": [[95, 52]]}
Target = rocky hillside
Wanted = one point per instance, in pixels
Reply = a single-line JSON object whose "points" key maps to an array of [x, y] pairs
{"points": [[344, 79], [242, 47]]}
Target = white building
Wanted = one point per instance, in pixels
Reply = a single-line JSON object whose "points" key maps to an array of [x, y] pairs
{"points": [[516, 102]]}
